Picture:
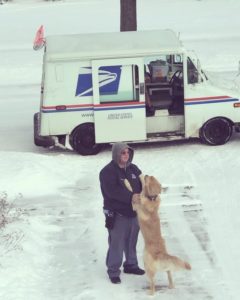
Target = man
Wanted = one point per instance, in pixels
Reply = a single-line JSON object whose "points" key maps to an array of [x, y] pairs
{"points": [[121, 220]]}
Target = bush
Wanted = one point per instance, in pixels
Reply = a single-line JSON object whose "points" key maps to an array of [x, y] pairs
{"points": [[10, 238], [8, 213]]}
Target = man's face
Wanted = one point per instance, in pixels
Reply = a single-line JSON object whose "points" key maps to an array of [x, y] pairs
{"points": [[124, 156]]}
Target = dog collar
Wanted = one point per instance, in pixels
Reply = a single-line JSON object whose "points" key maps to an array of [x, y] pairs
{"points": [[152, 198]]}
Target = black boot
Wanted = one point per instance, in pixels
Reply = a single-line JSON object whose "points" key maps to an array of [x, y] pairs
{"points": [[135, 271], [115, 280]]}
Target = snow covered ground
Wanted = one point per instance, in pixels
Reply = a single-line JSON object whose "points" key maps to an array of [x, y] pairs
{"points": [[55, 243]]}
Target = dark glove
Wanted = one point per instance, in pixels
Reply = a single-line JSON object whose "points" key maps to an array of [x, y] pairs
{"points": [[109, 219]]}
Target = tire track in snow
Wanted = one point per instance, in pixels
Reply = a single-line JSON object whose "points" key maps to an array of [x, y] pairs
{"points": [[184, 211]]}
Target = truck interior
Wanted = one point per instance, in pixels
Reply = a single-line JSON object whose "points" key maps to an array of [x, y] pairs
{"points": [[164, 84]]}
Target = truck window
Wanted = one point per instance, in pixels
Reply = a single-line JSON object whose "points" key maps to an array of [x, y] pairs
{"points": [[118, 83], [157, 67], [177, 59], [161, 68], [192, 72]]}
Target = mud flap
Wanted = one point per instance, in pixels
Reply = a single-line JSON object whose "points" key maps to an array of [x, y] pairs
{"points": [[44, 141]]}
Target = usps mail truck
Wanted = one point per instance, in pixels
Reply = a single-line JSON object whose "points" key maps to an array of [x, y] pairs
{"points": [[94, 92]]}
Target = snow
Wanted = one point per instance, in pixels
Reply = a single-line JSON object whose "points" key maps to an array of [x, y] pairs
{"points": [[54, 243]]}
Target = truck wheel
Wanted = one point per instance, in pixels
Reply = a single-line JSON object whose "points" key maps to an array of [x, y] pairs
{"points": [[82, 140], [216, 131]]}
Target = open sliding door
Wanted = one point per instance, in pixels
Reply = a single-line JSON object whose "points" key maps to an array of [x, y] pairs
{"points": [[119, 100]]}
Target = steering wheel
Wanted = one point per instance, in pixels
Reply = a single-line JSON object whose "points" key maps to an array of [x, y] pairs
{"points": [[177, 78]]}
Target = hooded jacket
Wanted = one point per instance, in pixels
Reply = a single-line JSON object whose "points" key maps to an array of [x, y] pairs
{"points": [[116, 196]]}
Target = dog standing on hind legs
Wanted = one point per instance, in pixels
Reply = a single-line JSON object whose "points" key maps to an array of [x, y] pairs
{"points": [[155, 255]]}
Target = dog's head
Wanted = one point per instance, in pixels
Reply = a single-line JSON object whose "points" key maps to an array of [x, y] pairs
{"points": [[151, 187]]}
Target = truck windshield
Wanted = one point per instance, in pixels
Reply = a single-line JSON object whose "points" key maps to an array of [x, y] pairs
{"points": [[192, 72]]}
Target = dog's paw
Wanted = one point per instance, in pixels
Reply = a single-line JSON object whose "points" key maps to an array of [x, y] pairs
{"points": [[151, 292], [135, 206], [136, 199]]}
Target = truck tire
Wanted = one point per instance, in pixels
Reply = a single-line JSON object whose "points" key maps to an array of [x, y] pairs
{"points": [[82, 140], [216, 131]]}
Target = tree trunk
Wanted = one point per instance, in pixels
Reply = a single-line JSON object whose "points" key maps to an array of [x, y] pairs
{"points": [[128, 15]]}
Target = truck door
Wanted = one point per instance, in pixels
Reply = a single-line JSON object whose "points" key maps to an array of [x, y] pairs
{"points": [[197, 95], [119, 100]]}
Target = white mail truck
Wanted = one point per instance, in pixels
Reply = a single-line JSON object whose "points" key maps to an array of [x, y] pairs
{"points": [[129, 86]]}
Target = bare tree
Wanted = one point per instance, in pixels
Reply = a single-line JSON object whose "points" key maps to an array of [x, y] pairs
{"points": [[128, 15]]}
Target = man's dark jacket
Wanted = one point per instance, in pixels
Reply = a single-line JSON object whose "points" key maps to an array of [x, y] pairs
{"points": [[116, 196]]}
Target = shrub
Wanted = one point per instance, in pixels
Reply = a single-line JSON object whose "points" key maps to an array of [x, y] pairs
{"points": [[10, 238]]}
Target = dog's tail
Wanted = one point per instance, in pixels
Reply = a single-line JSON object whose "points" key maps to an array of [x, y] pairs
{"points": [[174, 263]]}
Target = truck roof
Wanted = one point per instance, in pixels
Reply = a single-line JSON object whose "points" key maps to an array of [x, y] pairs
{"points": [[112, 44]]}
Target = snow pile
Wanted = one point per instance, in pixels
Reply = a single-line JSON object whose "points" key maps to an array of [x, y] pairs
{"points": [[56, 245]]}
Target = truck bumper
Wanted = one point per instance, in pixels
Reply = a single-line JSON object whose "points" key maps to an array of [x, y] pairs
{"points": [[237, 127]]}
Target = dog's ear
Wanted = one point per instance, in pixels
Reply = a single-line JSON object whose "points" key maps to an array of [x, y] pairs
{"points": [[156, 186]]}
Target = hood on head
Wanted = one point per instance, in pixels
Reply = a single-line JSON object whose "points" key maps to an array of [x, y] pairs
{"points": [[117, 148]]}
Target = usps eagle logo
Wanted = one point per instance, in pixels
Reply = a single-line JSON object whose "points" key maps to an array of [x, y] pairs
{"points": [[109, 78]]}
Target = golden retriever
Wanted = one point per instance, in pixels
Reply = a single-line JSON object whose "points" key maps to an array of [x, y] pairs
{"points": [[155, 257]]}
